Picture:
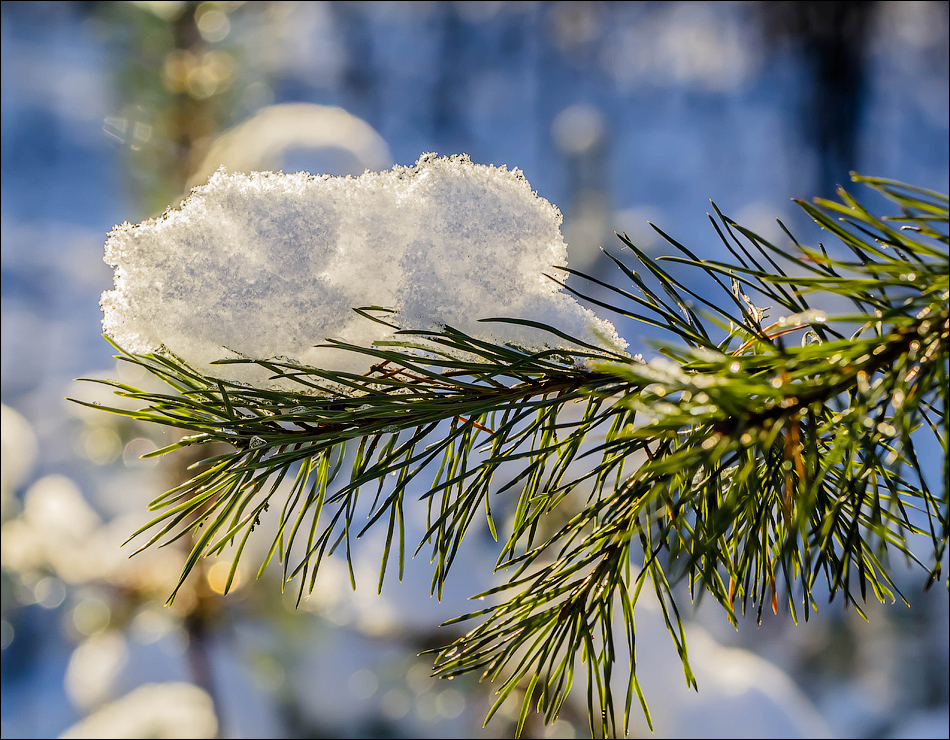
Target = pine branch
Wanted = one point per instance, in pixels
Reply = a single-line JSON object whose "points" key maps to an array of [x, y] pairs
{"points": [[744, 464]]}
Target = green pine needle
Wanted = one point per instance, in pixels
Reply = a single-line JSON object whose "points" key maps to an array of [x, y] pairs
{"points": [[759, 456]]}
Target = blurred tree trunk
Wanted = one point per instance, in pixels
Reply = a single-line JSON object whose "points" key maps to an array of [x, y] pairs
{"points": [[831, 37]]}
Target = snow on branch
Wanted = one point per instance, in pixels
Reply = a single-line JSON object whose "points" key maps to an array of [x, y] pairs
{"points": [[269, 265]]}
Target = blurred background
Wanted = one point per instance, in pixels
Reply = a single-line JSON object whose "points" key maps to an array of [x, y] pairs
{"points": [[618, 113]]}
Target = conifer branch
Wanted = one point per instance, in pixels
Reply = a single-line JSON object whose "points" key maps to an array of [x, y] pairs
{"points": [[754, 458]]}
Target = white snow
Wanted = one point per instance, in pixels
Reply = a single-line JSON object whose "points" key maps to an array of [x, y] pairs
{"points": [[268, 265], [152, 710]]}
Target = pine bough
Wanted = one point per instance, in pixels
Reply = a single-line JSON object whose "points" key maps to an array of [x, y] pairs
{"points": [[753, 458]]}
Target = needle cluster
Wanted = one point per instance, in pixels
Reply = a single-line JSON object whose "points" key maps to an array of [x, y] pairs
{"points": [[767, 462]]}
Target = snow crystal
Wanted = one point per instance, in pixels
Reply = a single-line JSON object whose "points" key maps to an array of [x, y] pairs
{"points": [[268, 265]]}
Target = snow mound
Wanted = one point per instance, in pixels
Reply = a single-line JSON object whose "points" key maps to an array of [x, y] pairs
{"points": [[267, 265]]}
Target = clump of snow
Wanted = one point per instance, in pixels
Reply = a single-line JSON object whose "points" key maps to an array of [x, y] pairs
{"points": [[152, 710], [268, 265]]}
